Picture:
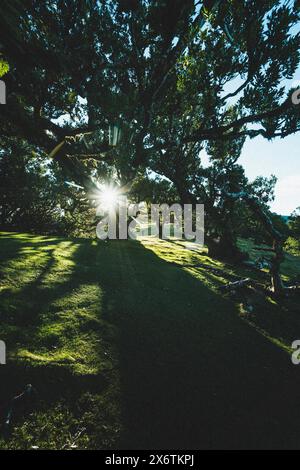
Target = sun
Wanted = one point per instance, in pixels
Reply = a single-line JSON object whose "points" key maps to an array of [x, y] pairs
{"points": [[108, 197]]}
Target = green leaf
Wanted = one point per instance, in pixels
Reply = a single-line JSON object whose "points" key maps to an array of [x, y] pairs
{"points": [[4, 67]]}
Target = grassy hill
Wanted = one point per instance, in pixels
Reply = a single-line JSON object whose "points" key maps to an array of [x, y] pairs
{"points": [[133, 345]]}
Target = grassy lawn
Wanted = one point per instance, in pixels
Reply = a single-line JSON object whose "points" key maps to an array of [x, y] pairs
{"points": [[132, 345]]}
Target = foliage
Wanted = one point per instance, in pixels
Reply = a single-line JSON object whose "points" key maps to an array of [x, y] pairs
{"points": [[293, 242], [4, 67], [159, 70], [153, 189], [34, 195], [294, 224]]}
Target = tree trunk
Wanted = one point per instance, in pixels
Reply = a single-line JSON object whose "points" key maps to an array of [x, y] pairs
{"points": [[278, 240], [160, 226], [276, 282], [224, 247]]}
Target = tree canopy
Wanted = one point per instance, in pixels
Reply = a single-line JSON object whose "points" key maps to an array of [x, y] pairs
{"points": [[172, 75]]}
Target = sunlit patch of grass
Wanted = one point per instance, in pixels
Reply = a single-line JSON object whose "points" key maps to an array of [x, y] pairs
{"points": [[51, 315], [273, 320]]}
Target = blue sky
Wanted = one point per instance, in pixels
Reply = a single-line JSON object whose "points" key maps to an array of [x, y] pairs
{"points": [[280, 157]]}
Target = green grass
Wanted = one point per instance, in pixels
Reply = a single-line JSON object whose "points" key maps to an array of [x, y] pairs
{"points": [[128, 347], [293, 246], [290, 267]]}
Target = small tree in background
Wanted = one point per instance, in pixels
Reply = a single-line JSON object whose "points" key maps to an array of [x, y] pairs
{"points": [[293, 242]]}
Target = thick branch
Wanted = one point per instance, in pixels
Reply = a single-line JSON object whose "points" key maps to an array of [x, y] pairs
{"points": [[219, 132]]}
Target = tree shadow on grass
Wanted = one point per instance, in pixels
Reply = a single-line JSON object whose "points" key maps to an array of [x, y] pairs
{"points": [[23, 310], [25, 297], [192, 374]]}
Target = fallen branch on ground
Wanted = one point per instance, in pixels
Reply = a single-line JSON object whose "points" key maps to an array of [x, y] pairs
{"points": [[237, 284]]}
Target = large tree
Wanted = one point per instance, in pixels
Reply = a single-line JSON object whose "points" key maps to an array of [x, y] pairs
{"points": [[124, 63]]}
